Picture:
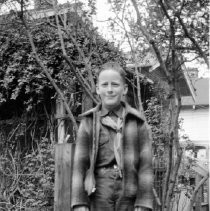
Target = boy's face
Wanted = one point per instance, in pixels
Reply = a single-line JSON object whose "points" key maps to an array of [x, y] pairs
{"points": [[111, 88]]}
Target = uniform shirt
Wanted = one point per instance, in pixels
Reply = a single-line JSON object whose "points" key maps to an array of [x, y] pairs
{"points": [[106, 155]]}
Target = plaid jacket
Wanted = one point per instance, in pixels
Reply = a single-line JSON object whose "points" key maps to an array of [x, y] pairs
{"points": [[137, 158]]}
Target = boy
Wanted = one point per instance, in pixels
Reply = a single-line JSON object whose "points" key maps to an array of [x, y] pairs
{"points": [[113, 159]]}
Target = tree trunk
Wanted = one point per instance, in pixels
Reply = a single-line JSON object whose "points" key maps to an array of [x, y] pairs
{"points": [[198, 198]]}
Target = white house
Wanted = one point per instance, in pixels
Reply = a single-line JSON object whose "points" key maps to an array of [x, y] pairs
{"points": [[195, 115]]}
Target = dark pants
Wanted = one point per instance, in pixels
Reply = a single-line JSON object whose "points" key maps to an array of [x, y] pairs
{"points": [[109, 195]]}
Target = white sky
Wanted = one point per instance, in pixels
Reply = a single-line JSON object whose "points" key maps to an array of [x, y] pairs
{"points": [[100, 21]]}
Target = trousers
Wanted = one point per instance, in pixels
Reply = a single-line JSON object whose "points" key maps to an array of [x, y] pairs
{"points": [[109, 192]]}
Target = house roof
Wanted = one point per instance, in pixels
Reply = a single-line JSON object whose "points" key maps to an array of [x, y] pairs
{"points": [[201, 86], [149, 66], [45, 12]]}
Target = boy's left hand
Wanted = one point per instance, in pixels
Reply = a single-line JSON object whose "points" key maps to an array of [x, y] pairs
{"points": [[141, 209]]}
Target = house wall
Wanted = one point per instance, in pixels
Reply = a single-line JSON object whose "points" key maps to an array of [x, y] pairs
{"points": [[196, 124]]}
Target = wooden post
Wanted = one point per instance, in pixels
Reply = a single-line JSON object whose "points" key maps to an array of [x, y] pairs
{"points": [[60, 114], [208, 187], [199, 194], [63, 164], [63, 176]]}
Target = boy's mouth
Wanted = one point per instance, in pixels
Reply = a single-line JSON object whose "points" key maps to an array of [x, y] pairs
{"points": [[112, 96]]}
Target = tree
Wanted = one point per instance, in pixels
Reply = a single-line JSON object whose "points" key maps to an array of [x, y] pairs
{"points": [[33, 72], [168, 29], [68, 53], [81, 44]]}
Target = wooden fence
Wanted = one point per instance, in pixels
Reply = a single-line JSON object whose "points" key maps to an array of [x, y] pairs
{"points": [[63, 176]]}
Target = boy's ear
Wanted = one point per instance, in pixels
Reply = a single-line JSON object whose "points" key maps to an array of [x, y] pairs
{"points": [[125, 89], [97, 89]]}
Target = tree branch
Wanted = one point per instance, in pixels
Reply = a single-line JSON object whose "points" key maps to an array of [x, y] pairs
{"points": [[79, 76], [174, 136], [168, 172], [192, 40], [192, 200], [86, 60], [133, 53], [187, 34], [71, 116], [185, 48], [151, 41]]}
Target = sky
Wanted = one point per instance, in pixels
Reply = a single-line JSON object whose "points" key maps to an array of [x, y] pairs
{"points": [[100, 21]]}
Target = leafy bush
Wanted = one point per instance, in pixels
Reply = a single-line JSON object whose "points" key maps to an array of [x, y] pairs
{"points": [[38, 179], [29, 181]]}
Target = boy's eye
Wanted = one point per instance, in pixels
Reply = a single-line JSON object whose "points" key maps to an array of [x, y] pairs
{"points": [[104, 84], [115, 84]]}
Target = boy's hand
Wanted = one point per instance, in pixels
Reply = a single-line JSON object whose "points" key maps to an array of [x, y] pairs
{"points": [[141, 209], [81, 208]]}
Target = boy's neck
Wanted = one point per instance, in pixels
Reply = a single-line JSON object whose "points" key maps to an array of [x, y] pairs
{"points": [[117, 109]]}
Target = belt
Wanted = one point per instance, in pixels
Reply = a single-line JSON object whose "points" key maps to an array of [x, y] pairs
{"points": [[106, 168]]}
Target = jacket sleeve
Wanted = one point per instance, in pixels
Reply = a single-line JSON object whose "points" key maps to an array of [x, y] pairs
{"points": [[145, 173], [81, 163]]}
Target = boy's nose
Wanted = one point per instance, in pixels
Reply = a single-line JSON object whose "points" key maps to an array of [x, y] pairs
{"points": [[109, 88]]}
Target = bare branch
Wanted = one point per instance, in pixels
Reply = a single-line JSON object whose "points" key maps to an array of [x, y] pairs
{"points": [[81, 52], [187, 48], [187, 34], [79, 76], [192, 40], [165, 11], [151, 41], [192, 200], [168, 172], [133, 52], [174, 137], [44, 69], [182, 7]]}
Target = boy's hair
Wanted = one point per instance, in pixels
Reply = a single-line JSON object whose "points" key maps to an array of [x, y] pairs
{"points": [[112, 66]]}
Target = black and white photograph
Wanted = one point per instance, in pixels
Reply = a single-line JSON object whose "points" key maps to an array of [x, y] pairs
{"points": [[104, 105]]}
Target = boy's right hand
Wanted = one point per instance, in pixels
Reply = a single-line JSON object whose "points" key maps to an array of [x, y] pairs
{"points": [[81, 208]]}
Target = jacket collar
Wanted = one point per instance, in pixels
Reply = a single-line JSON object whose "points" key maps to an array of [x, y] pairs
{"points": [[128, 111], [117, 111]]}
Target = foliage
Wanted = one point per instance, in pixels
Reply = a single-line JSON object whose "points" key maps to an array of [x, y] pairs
{"points": [[169, 29], [21, 79], [195, 17], [30, 180], [37, 189], [25, 92], [153, 115], [193, 14]]}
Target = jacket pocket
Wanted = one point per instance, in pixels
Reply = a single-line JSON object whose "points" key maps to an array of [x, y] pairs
{"points": [[103, 138]]}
